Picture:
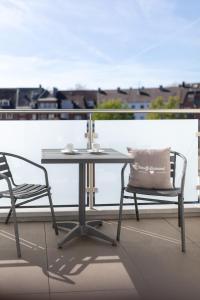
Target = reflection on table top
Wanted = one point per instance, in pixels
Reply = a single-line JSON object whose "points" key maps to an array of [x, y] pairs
{"points": [[55, 156]]}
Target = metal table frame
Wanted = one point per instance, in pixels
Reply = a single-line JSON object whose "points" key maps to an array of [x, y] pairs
{"points": [[83, 227]]}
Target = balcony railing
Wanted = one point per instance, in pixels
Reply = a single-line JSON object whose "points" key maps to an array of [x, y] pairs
{"points": [[27, 138]]}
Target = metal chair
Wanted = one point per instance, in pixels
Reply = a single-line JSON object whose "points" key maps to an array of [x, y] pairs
{"points": [[16, 192], [174, 192]]}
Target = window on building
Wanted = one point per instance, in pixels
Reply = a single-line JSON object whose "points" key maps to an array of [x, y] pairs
{"points": [[64, 116], [53, 105], [41, 105], [47, 105], [51, 116], [66, 104], [197, 99], [9, 116], [4, 102], [42, 117], [142, 106], [90, 103], [78, 117]]}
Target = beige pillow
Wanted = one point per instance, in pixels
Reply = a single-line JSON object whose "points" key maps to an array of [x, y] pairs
{"points": [[150, 168]]}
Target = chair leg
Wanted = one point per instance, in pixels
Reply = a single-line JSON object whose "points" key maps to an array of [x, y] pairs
{"points": [[13, 200], [120, 215], [179, 210], [182, 222], [9, 215], [53, 213], [136, 207]]}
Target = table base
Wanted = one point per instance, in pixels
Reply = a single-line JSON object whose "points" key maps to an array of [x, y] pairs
{"points": [[74, 229]]}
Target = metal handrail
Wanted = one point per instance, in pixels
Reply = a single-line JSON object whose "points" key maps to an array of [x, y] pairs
{"points": [[91, 111], [90, 131]]}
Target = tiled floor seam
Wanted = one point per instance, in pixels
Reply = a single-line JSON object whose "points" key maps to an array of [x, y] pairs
{"points": [[47, 262], [93, 291], [134, 265], [53, 294], [176, 228], [123, 248]]}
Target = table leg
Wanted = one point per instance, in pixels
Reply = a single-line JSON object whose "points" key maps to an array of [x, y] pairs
{"points": [[71, 234], [95, 223], [96, 233], [66, 226], [83, 228], [82, 194]]}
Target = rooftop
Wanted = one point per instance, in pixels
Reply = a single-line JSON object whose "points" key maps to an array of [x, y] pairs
{"points": [[143, 94]]}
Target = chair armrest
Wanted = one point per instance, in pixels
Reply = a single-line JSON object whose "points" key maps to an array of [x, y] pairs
{"points": [[29, 162], [182, 183], [3, 176], [183, 173], [122, 175]]}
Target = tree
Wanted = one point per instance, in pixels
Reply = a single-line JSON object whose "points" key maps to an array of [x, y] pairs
{"points": [[172, 103], [112, 104]]}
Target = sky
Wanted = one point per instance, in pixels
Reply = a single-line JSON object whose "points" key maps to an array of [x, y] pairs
{"points": [[99, 43]]}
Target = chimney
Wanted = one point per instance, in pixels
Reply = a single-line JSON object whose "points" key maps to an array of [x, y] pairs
{"points": [[17, 98], [55, 90]]}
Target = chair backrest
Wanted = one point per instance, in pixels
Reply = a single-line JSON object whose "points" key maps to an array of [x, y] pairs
{"points": [[173, 166], [4, 167], [173, 162], [173, 171]]}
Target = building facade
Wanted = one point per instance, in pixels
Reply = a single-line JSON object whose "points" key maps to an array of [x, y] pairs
{"points": [[40, 98]]}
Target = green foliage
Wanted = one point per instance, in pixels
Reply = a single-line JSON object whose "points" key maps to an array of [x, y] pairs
{"points": [[172, 103], [112, 104]]}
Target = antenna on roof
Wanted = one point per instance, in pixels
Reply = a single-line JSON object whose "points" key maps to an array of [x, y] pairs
{"points": [[184, 85], [100, 91], [120, 91], [162, 89], [141, 91]]}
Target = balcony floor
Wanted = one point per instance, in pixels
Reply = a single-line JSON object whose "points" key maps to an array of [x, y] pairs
{"points": [[147, 264]]}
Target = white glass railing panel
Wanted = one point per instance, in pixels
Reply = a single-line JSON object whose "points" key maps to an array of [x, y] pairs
{"points": [[27, 138], [180, 135]]}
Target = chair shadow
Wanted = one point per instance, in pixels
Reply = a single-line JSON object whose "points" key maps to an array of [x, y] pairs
{"points": [[65, 265], [71, 261]]}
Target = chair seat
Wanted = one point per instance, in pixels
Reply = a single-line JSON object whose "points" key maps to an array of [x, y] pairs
{"points": [[154, 192], [24, 191]]}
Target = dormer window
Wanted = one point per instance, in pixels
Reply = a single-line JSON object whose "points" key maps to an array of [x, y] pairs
{"points": [[4, 102]]}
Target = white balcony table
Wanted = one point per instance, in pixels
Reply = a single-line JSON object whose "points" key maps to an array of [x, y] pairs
{"points": [[82, 158]]}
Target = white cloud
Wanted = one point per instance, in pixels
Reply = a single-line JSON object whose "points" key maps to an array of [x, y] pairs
{"points": [[13, 14], [65, 74], [97, 43]]}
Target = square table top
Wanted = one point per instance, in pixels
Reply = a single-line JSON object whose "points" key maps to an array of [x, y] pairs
{"points": [[55, 156]]}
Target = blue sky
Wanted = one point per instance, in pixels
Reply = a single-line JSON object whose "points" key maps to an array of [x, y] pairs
{"points": [[99, 43]]}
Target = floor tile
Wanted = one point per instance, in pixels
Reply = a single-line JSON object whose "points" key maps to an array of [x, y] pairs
{"points": [[149, 230], [192, 226], [25, 275], [98, 295], [170, 273], [35, 296], [32, 235], [89, 266], [146, 264]]}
